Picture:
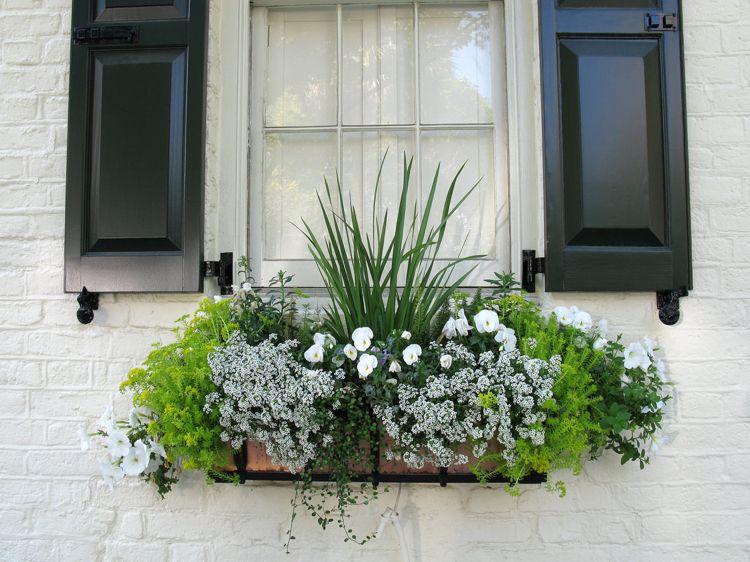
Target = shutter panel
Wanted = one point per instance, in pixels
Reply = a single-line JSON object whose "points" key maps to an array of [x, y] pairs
{"points": [[134, 195], [617, 216]]}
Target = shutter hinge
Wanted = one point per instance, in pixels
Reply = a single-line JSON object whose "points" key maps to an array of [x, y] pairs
{"points": [[660, 22], [222, 270], [107, 34], [530, 267], [668, 303]]}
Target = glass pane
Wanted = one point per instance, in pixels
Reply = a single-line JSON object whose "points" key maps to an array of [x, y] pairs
{"points": [[363, 152], [301, 76], [295, 165], [472, 227], [455, 73], [378, 65]]}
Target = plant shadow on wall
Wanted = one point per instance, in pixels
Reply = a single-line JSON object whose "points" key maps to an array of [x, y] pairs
{"points": [[400, 358]]}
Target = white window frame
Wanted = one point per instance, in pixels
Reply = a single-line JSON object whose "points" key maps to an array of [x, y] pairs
{"points": [[524, 130]]}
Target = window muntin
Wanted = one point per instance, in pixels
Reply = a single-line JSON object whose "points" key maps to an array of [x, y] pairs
{"points": [[427, 80]]}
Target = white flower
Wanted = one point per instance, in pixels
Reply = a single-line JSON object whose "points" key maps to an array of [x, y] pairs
{"points": [[600, 343], [350, 351], [366, 365], [362, 337], [636, 356], [446, 361], [582, 320], [85, 439], [138, 416], [107, 421], [314, 353], [117, 444], [506, 336], [324, 340], [462, 324], [235, 288], [449, 330], [247, 287], [602, 326], [394, 367], [486, 321], [411, 353], [217, 298], [157, 448], [649, 344], [111, 473], [564, 315], [136, 460], [338, 360], [406, 335]]}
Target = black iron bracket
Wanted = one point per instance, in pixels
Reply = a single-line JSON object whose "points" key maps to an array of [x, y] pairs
{"points": [[87, 304], [530, 267], [660, 22], [105, 35], [222, 270], [668, 303]]}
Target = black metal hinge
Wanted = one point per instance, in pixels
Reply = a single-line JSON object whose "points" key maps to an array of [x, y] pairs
{"points": [[530, 267], [668, 303], [107, 34], [660, 22], [222, 270]]}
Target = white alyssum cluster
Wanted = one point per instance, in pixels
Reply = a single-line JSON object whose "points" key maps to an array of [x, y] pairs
{"points": [[266, 395], [427, 421]]}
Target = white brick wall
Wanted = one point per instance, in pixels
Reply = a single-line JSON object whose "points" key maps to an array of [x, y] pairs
{"points": [[693, 503]]}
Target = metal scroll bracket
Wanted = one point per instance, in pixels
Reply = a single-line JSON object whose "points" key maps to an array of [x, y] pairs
{"points": [[87, 304], [668, 304]]}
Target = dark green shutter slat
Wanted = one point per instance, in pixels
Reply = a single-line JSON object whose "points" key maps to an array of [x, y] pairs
{"points": [[134, 194], [616, 189]]}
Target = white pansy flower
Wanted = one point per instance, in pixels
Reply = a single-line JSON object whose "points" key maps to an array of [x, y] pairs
{"points": [[582, 320], [350, 351], [462, 324], [449, 330], [564, 315], [446, 361], [107, 421], [411, 353], [486, 321], [218, 298], [136, 461], [362, 337], [314, 353], [117, 444], [600, 343], [507, 337], [247, 287], [85, 439], [406, 335], [636, 356], [394, 367], [366, 365], [111, 473]]}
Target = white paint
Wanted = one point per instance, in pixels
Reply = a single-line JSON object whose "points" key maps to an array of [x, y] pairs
{"points": [[692, 503]]}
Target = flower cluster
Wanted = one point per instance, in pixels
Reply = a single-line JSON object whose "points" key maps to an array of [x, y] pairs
{"points": [[267, 395]]}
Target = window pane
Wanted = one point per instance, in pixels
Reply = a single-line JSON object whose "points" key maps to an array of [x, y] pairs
{"points": [[295, 165], [301, 76], [455, 72], [378, 65], [363, 152], [474, 221]]}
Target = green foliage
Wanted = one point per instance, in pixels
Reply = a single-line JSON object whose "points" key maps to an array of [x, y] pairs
{"points": [[174, 383], [379, 280]]}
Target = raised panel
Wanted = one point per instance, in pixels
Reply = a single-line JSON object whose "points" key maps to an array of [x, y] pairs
{"points": [[137, 147], [608, 3], [139, 10], [612, 142]]}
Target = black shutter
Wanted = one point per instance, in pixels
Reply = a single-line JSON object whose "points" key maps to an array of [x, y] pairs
{"points": [[134, 200], [617, 216]]}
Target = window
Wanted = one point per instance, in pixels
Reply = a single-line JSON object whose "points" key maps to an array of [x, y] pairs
{"points": [[334, 86]]}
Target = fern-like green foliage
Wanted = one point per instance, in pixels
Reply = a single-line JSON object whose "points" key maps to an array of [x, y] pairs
{"points": [[174, 382]]}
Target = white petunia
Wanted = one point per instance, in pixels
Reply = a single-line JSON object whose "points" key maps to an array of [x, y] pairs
{"points": [[136, 461], [394, 367], [507, 337], [600, 343], [107, 421], [636, 356], [582, 320], [314, 353], [111, 473], [462, 324], [362, 337], [486, 321], [157, 448], [366, 365], [406, 335], [411, 353], [85, 439], [446, 361], [350, 351], [138, 416], [117, 444], [564, 315]]}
